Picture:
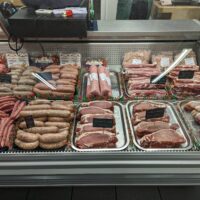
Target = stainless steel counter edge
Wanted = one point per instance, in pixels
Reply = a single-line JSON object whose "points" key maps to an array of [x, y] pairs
{"points": [[84, 169]]}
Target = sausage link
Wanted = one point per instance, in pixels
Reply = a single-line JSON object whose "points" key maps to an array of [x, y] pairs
{"points": [[26, 146], [43, 130], [54, 138], [56, 119], [46, 113], [27, 137], [37, 107], [53, 145], [57, 124], [40, 101], [22, 125]]}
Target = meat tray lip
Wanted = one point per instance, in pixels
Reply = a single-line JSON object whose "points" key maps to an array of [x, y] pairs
{"points": [[184, 117], [177, 116], [82, 91], [125, 128], [124, 84]]}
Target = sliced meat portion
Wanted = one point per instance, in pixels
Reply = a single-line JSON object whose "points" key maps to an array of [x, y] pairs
{"points": [[97, 139], [88, 118], [101, 104], [148, 93], [82, 128], [144, 106], [93, 110], [141, 116], [145, 128], [165, 138]]}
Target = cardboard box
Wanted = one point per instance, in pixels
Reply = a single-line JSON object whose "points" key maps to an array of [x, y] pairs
{"points": [[15, 2]]}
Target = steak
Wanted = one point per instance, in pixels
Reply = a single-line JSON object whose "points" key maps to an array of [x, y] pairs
{"points": [[82, 128], [141, 116], [145, 128], [100, 104], [165, 138], [148, 93], [93, 110], [144, 106], [88, 118], [97, 139]]}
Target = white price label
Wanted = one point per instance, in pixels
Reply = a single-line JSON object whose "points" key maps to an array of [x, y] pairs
{"points": [[189, 61], [93, 77], [74, 58], [136, 62], [165, 62], [17, 59], [102, 76]]}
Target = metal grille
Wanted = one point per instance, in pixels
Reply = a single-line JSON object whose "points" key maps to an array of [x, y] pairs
{"points": [[113, 52]]}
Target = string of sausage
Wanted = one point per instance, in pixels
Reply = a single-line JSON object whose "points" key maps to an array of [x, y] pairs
{"points": [[6, 124]]}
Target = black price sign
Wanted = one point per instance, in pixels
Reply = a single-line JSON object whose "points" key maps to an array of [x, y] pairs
{"points": [[155, 113], [161, 81], [5, 78], [186, 74], [29, 122], [103, 123], [46, 75]]}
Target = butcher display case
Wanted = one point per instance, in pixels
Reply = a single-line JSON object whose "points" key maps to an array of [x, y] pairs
{"points": [[128, 165]]}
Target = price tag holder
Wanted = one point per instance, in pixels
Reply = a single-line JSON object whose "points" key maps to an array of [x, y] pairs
{"points": [[161, 81], [155, 113], [5, 78], [186, 74], [103, 123], [29, 122], [17, 59], [46, 75]]}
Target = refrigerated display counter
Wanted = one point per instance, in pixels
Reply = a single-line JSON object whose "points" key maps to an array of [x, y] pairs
{"points": [[130, 166]]}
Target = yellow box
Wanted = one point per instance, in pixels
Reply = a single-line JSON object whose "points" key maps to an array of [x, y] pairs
{"points": [[15, 2]]}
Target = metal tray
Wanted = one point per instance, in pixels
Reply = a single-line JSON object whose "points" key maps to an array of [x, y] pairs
{"points": [[140, 97], [121, 129], [115, 83], [192, 126], [174, 118]]}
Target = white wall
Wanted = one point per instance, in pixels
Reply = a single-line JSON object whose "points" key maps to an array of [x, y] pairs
{"points": [[108, 9]]}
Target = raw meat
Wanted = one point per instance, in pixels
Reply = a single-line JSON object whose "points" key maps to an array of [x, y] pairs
{"points": [[137, 59], [144, 106], [82, 128], [163, 59], [88, 118], [165, 138], [145, 128], [97, 139], [104, 81], [93, 110], [153, 93], [94, 82], [100, 104], [141, 116]]}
